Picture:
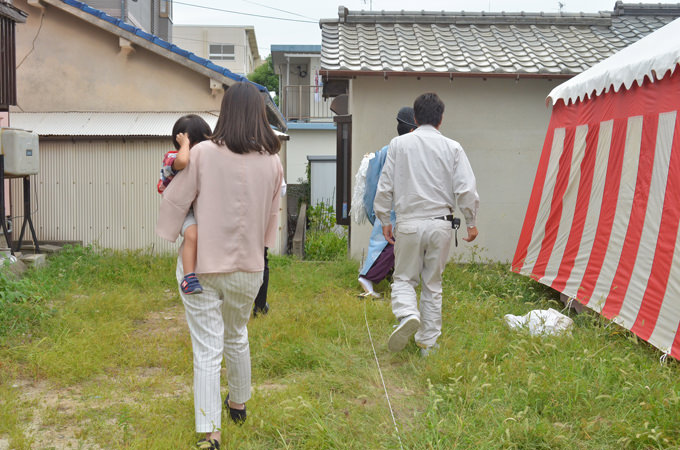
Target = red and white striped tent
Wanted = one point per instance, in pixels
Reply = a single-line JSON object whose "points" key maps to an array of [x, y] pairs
{"points": [[602, 221]]}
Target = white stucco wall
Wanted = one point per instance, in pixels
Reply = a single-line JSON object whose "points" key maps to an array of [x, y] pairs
{"points": [[501, 124], [197, 38], [304, 143]]}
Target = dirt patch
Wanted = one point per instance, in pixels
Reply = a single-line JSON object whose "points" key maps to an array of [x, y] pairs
{"points": [[53, 405], [56, 412], [168, 321]]}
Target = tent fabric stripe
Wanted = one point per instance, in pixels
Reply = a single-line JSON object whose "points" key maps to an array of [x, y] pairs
{"points": [[603, 219], [602, 145], [561, 235], [668, 229], [607, 214], [580, 212], [631, 242]]}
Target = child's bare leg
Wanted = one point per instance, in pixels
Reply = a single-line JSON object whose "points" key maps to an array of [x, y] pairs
{"points": [[190, 284], [189, 249]]}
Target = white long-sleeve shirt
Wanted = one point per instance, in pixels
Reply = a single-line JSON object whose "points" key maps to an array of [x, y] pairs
{"points": [[425, 175]]}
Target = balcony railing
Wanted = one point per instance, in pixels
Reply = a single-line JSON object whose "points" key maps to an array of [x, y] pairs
{"points": [[305, 103]]}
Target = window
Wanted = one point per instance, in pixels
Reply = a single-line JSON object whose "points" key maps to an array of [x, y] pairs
{"points": [[166, 8], [222, 52]]}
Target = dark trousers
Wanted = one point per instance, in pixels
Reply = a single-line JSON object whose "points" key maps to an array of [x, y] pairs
{"points": [[382, 266], [261, 299]]}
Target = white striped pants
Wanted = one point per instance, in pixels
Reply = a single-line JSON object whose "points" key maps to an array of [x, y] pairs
{"points": [[421, 250], [218, 319]]}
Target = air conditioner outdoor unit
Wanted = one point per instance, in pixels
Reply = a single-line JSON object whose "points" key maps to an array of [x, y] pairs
{"points": [[20, 148]]}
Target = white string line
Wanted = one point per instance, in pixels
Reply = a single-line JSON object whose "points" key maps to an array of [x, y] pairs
{"points": [[389, 404]]}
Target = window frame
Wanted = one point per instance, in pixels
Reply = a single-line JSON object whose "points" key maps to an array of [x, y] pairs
{"points": [[222, 55]]}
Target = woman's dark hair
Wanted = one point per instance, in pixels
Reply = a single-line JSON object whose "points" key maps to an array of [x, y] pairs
{"points": [[243, 125], [194, 126], [428, 109]]}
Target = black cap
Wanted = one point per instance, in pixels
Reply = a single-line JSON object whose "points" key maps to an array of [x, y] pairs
{"points": [[406, 116]]}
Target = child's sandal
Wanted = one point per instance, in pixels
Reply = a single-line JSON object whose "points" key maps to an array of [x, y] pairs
{"points": [[190, 284]]}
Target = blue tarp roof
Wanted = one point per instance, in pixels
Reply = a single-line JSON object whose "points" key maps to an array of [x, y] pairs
{"points": [[296, 48], [161, 43]]}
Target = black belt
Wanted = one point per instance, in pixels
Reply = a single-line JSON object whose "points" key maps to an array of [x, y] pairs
{"points": [[449, 218], [455, 224]]}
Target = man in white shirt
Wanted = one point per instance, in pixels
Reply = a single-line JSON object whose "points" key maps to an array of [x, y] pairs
{"points": [[425, 175]]}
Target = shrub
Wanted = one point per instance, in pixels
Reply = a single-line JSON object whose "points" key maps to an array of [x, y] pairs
{"points": [[325, 246]]}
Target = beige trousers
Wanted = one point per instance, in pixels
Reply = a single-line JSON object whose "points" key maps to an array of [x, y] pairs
{"points": [[217, 320], [421, 251]]}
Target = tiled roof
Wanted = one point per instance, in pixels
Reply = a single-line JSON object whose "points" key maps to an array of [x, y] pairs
{"points": [[543, 44]]}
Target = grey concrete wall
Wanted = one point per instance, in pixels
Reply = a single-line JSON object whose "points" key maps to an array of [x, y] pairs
{"points": [[501, 124]]}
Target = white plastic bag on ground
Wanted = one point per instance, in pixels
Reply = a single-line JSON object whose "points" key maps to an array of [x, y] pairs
{"points": [[541, 322]]}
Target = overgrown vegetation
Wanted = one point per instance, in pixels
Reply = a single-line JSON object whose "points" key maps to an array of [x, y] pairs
{"points": [[98, 356], [264, 74], [325, 240]]}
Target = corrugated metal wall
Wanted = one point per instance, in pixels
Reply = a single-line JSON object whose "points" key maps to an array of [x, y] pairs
{"points": [[100, 192], [96, 191], [8, 88]]}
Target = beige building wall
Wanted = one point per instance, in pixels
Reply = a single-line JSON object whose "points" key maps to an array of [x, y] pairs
{"points": [[197, 39], [71, 65], [501, 124], [305, 143]]}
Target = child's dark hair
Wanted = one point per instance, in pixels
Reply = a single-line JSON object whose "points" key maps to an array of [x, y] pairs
{"points": [[194, 126]]}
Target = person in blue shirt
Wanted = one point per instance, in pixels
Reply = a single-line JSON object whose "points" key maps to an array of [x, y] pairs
{"points": [[380, 256]]}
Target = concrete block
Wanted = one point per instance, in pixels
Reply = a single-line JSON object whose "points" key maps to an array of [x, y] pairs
{"points": [[49, 248], [15, 266], [38, 260], [300, 232]]}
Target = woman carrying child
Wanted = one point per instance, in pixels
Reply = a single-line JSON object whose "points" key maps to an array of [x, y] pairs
{"points": [[233, 180]]}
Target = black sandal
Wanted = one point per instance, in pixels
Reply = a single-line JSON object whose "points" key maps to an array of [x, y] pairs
{"points": [[238, 416], [208, 444]]}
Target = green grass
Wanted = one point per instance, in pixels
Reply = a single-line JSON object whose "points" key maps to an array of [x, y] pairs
{"points": [[94, 350]]}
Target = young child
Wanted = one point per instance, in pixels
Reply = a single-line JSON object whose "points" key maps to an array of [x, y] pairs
{"points": [[188, 131]]}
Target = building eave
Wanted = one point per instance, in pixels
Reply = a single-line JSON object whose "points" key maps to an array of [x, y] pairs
{"points": [[345, 74], [12, 13]]}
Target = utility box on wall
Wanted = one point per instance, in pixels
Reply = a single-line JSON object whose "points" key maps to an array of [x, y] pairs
{"points": [[20, 149]]}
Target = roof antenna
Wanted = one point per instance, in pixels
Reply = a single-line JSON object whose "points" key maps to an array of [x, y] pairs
{"points": [[561, 5], [370, 4]]}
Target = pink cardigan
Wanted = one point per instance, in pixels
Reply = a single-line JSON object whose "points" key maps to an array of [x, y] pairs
{"points": [[236, 204]]}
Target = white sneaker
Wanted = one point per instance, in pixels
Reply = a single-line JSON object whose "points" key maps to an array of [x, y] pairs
{"points": [[367, 285], [399, 338]]}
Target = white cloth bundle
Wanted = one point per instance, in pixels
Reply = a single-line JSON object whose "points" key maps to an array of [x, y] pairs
{"points": [[541, 322], [358, 211]]}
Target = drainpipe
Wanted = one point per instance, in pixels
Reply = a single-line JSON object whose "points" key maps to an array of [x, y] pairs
{"points": [[287, 85], [122, 10], [4, 122]]}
